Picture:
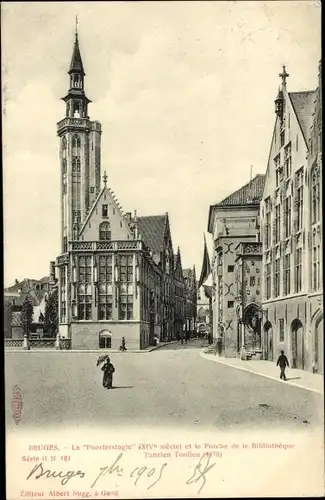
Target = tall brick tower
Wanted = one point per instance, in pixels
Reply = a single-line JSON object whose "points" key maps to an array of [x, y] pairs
{"points": [[80, 142]]}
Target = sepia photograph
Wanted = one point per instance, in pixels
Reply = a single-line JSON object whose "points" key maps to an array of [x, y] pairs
{"points": [[163, 250]]}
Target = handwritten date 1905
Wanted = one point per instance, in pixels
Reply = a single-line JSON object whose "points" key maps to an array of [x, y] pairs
{"points": [[136, 474]]}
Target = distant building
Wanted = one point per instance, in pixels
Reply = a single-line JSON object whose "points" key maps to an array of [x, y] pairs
{"points": [[203, 317], [14, 296], [232, 221], [291, 224], [190, 301]]}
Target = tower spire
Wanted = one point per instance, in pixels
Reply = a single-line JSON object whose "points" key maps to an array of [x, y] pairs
{"points": [[76, 34], [284, 75]]}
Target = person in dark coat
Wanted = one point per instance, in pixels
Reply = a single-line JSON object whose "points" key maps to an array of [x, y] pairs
{"points": [[122, 346], [282, 363], [108, 370]]}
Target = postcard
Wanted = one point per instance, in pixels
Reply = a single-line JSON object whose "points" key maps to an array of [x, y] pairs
{"points": [[163, 295]]}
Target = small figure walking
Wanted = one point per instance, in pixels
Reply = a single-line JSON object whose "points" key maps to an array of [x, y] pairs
{"points": [[283, 363], [123, 346], [108, 370]]}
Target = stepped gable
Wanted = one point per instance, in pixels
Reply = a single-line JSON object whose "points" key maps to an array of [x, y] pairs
{"points": [[252, 192], [152, 230], [304, 106]]}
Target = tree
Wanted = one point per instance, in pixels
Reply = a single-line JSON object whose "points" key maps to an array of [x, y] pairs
{"points": [[51, 316], [26, 315], [7, 319]]}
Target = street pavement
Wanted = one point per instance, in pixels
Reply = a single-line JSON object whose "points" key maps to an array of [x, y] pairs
{"points": [[171, 386]]}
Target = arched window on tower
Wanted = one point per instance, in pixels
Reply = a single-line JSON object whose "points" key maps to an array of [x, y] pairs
{"points": [[76, 144], [64, 147], [105, 231], [76, 110], [76, 81]]}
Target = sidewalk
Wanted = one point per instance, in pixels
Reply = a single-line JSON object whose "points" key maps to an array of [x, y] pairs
{"points": [[298, 378], [87, 351]]}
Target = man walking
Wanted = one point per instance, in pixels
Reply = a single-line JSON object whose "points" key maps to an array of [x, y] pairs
{"points": [[283, 363]]}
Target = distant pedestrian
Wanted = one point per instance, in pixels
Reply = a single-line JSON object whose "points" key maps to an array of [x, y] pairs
{"points": [[123, 346], [108, 370], [282, 363]]}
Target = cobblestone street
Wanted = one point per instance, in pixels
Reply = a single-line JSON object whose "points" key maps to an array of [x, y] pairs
{"points": [[170, 386]]}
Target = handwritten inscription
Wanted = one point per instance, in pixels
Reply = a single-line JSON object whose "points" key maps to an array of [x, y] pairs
{"points": [[150, 476]]}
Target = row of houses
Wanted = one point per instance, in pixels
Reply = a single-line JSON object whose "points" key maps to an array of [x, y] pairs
{"points": [[267, 236], [14, 296]]}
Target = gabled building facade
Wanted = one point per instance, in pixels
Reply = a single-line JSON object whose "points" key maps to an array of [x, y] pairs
{"points": [[292, 231], [233, 221], [118, 275]]}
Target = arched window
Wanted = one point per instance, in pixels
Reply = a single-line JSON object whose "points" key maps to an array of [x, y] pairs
{"points": [[315, 195], [76, 144], [76, 165], [105, 231], [105, 339], [64, 147]]}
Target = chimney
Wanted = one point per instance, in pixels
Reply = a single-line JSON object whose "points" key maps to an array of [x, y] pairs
{"points": [[128, 217], [16, 281]]}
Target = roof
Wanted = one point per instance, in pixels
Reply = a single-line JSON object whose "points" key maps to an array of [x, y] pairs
{"points": [[252, 192], [152, 230], [76, 61], [304, 104], [187, 272]]}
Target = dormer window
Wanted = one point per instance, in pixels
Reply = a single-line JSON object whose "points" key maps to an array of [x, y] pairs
{"points": [[105, 231]]}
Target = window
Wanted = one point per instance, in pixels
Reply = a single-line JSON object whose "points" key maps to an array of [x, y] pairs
{"points": [[64, 166], [252, 281], [267, 223], [92, 189], [287, 217], [231, 269], [105, 309], [277, 278], [278, 176], [105, 340], [298, 276], [315, 262], [126, 269], [104, 210], [297, 143], [281, 330], [65, 244], [277, 221], [126, 307], [230, 304], [84, 307], [287, 274], [63, 285], [76, 143], [300, 208], [64, 147], [105, 269], [65, 188], [282, 138], [84, 270], [315, 195], [287, 160], [105, 231]]}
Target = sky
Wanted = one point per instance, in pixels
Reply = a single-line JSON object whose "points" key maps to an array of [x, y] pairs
{"points": [[185, 95]]}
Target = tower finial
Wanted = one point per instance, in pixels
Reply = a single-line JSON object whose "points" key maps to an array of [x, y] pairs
{"points": [[76, 28], [105, 178], [284, 75]]}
